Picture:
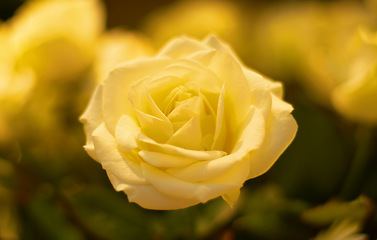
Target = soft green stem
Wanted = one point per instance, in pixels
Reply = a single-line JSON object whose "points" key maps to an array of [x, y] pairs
{"points": [[355, 178]]}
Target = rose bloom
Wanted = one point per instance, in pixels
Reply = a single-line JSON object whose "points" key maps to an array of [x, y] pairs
{"points": [[186, 126], [356, 97], [16, 83], [57, 37], [312, 42]]}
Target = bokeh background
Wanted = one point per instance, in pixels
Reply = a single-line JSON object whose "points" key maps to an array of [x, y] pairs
{"points": [[53, 53]]}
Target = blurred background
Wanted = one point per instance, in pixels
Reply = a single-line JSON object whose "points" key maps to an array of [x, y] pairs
{"points": [[54, 52]]}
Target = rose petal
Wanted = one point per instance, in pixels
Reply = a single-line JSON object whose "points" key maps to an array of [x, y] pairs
{"points": [[231, 196], [108, 155], [149, 197], [126, 132], [163, 160], [171, 186], [146, 143], [250, 139], [92, 118], [237, 93], [141, 100], [220, 128], [213, 42], [281, 130], [181, 47], [189, 136], [117, 86], [154, 127]]}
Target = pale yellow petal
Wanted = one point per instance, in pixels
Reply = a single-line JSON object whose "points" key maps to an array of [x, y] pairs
{"points": [[163, 160], [215, 43], [181, 47], [142, 100], [149, 197], [111, 159], [231, 196], [117, 86], [155, 128], [189, 136], [220, 132], [92, 118], [125, 133], [237, 93], [171, 186], [146, 143], [280, 132]]}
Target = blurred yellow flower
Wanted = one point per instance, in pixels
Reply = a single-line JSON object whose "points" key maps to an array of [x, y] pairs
{"points": [[57, 37], [116, 46], [195, 18], [356, 98], [16, 82], [312, 42], [186, 126]]}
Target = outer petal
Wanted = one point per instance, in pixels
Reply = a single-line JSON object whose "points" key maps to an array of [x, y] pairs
{"points": [[148, 197], [126, 170], [126, 132], [203, 191], [148, 144], [280, 133], [92, 118]]}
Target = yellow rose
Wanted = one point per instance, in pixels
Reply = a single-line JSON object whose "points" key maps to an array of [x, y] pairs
{"points": [[186, 126], [57, 37], [313, 42], [16, 83], [356, 98]]}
